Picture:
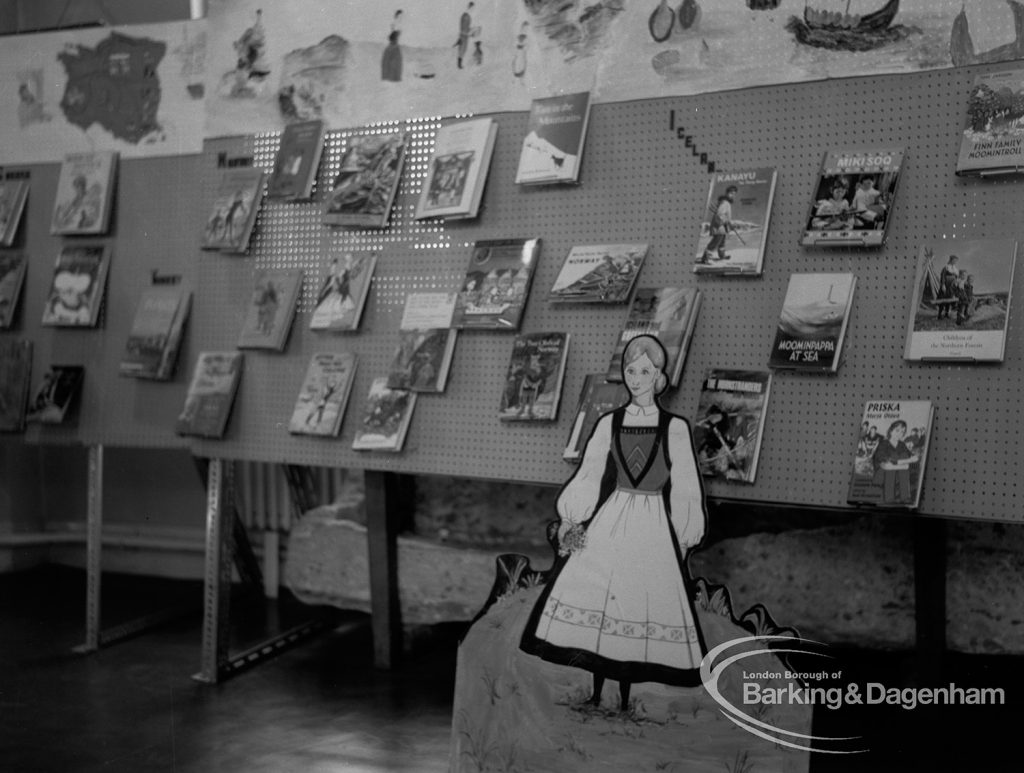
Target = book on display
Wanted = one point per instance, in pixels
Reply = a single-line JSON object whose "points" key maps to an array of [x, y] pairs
{"points": [[386, 418], [667, 313], [78, 285], [56, 394], [13, 267], [734, 224], [324, 394], [729, 424], [232, 215], [813, 322], [457, 169], [892, 448], [364, 189], [211, 393], [599, 273], [297, 161], [533, 381], [992, 141], [426, 343], [271, 309], [598, 397], [961, 304], [13, 195], [555, 134], [343, 293], [15, 375], [496, 284], [85, 191], [154, 339], [854, 197]]}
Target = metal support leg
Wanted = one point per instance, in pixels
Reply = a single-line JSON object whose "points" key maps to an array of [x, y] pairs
{"points": [[382, 523], [93, 550], [217, 573]]}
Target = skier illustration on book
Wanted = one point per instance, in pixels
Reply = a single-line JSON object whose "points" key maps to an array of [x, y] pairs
{"points": [[323, 399], [620, 605], [335, 301]]}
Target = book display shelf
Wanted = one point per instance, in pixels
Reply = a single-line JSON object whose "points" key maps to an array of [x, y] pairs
{"points": [[646, 181]]}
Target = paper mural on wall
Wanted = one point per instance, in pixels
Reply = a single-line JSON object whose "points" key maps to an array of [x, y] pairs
{"points": [[370, 61], [135, 90]]}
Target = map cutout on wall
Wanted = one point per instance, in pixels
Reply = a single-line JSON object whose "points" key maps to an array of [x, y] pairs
{"points": [[136, 90]]}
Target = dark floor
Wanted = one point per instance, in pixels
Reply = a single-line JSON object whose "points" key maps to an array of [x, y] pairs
{"points": [[321, 706], [133, 706]]}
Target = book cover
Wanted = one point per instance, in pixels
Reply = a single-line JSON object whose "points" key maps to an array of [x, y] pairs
{"points": [[599, 273], [734, 224], [533, 382], [422, 360], [992, 141], [365, 186], [211, 393], [553, 146], [457, 169], [56, 394], [234, 209], [152, 345], [961, 304], [85, 191], [339, 306], [598, 397], [667, 313], [15, 373], [324, 394], [271, 309], [813, 322], [13, 267], [13, 195], [730, 423], [892, 447], [854, 197], [496, 284], [297, 160], [79, 282], [386, 418]]}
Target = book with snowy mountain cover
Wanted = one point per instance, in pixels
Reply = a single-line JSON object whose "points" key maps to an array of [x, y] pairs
{"points": [[553, 146]]}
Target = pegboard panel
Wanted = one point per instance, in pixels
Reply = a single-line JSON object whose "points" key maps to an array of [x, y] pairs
{"points": [[643, 180], [150, 230]]}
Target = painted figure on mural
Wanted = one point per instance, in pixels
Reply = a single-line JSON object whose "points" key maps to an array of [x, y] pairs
{"points": [[620, 604], [465, 33], [391, 60]]}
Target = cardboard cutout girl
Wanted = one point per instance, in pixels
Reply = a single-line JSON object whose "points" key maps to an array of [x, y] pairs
{"points": [[620, 604]]}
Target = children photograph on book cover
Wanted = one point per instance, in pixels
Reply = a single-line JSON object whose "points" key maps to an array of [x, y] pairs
{"points": [[892, 446], [854, 197], [962, 300]]}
